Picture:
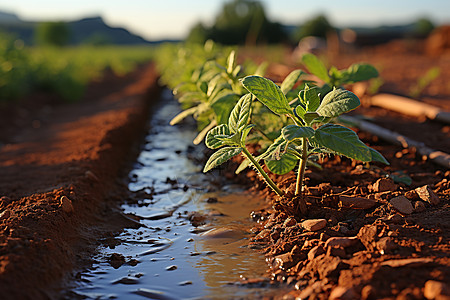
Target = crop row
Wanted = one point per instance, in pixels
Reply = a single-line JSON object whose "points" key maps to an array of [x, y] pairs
{"points": [[292, 122], [64, 71]]}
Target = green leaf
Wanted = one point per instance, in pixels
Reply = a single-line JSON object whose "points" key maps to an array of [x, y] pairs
{"points": [[214, 137], [240, 115], [245, 133], [221, 156], [223, 106], [230, 62], [300, 111], [312, 98], [359, 72], [310, 116], [293, 132], [337, 102], [342, 140], [285, 164], [315, 66], [178, 118], [275, 149], [290, 80], [268, 93], [376, 156]]}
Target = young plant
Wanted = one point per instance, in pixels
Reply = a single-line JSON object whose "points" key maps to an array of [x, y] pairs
{"points": [[336, 78], [310, 134], [231, 137]]}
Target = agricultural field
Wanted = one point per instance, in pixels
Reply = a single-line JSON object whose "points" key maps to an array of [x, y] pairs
{"points": [[265, 173]]}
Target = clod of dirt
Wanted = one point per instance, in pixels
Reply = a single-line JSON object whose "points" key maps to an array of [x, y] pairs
{"points": [[409, 262], [343, 242], [5, 214], [384, 185], [419, 206], [116, 260], [66, 204], [314, 224], [343, 293], [356, 202], [436, 290], [402, 204], [315, 251], [427, 195]]}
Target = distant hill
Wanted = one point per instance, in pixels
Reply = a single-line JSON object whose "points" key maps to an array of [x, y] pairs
{"points": [[88, 30]]}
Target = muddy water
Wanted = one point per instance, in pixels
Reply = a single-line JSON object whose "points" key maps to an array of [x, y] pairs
{"points": [[192, 242]]}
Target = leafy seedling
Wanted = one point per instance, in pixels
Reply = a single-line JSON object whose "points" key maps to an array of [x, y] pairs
{"points": [[231, 137], [311, 134]]}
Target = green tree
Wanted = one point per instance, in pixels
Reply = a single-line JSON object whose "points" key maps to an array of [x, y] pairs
{"points": [[198, 34], [318, 26], [423, 27], [52, 33], [245, 22]]}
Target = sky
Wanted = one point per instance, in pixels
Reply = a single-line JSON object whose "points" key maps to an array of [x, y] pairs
{"points": [[157, 19]]}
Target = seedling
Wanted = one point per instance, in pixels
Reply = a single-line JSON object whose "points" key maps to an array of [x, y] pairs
{"points": [[310, 134]]}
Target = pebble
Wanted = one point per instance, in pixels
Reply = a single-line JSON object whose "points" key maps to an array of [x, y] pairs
{"points": [[171, 268], [66, 204], [342, 242], [384, 185], [283, 261], [427, 195], [314, 224], [183, 283], [436, 290], [419, 206], [289, 222], [402, 204], [356, 202]]}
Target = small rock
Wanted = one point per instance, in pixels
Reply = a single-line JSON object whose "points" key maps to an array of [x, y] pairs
{"points": [[283, 261], [66, 204], [419, 206], [436, 290], [212, 200], [356, 202], [426, 194], [314, 224], [116, 260], [289, 222], [384, 185], [90, 175], [183, 283], [171, 268], [402, 204], [343, 293], [126, 280], [343, 242], [315, 251], [5, 214]]}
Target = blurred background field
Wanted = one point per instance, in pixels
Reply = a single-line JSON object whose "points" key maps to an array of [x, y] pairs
{"points": [[60, 49]]}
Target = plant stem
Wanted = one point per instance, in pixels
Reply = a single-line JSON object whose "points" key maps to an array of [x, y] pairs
{"points": [[301, 168], [269, 181]]}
